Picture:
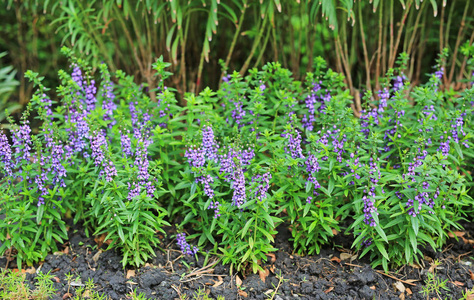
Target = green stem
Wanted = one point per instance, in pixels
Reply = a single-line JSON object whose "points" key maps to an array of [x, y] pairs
{"points": [[254, 47], [234, 39]]}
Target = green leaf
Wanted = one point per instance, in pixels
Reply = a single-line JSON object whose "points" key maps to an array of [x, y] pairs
{"points": [[458, 150], [246, 227], [435, 7], [40, 213], [412, 237], [382, 250], [415, 224], [121, 235], [380, 231], [331, 185]]}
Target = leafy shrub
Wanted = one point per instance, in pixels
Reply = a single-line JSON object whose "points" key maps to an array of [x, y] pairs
{"points": [[234, 164], [394, 171], [92, 158]]}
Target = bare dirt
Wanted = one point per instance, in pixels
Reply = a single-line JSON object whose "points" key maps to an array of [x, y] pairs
{"points": [[336, 273]]}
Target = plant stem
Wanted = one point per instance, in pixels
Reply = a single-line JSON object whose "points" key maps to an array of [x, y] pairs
{"points": [[254, 46], [234, 39], [364, 48], [458, 40]]}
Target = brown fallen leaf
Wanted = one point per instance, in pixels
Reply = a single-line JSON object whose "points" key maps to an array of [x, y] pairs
{"points": [[57, 279], [471, 274], [130, 273], [345, 256], [336, 259], [263, 274], [273, 257], [66, 250], [67, 296], [329, 290], [399, 286], [372, 287], [456, 233], [31, 270], [219, 282], [100, 240], [334, 231], [238, 281], [272, 269], [409, 292], [402, 296], [457, 283], [243, 293]]}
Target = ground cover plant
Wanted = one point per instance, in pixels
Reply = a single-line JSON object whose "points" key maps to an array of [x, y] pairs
{"points": [[233, 164]]}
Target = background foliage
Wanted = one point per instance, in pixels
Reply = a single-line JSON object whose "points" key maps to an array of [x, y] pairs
{"points": [[359, 39]]}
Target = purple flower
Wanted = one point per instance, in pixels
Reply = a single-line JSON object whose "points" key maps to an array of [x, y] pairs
{"points": [[215, 205], [108, 103], [293, 146], [98, 145], [207, 180], [398, 82], [133, 190], [196, 157], [263, 182], [110, 171], [126, 144], [186, 249], [57, 168], [239, 196], [22, 142], [383, 98], [142, 163], [312, 166], [6, 155], [369, 208], [208, 143], [439, 73]]}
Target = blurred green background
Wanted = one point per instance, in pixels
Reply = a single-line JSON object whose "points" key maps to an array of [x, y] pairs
{"points": [[361, 39]]}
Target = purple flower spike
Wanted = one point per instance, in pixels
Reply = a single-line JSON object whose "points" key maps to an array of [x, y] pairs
{"points": [[110, 171], [294, 145], [239, 196], [6, 154], [98, 145], [186, 249], [263, 185], [22, 142], [208, 143]]}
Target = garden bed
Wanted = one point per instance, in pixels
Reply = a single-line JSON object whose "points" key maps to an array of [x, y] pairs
{"points": [[336, 273]]}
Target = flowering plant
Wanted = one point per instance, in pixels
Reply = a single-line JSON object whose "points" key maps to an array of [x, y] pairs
{"points": [[232, 165]]}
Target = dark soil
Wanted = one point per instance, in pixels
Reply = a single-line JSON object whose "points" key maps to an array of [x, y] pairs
{"points": [[333, 274]]}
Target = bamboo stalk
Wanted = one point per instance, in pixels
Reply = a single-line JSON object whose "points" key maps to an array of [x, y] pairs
{"points": [[458, 42], [400, 30], [254, 47], [379, 48], [364, 48], [464, 62], [234, 39]]}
